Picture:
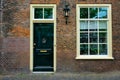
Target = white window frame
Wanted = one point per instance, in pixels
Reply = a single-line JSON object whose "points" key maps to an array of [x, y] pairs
{"points": [[44, 6], [109, 33], [33, 20]]}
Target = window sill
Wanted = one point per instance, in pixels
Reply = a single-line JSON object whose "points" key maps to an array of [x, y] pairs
{"points": [[94, 57]]}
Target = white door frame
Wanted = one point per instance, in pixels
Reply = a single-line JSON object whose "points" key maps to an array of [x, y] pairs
{"points": [[32, 20]]}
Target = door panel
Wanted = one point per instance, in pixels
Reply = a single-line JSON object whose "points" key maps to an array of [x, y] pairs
{"points": [[43, 47]]}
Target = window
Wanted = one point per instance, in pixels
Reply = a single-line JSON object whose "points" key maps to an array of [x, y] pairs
{"points": [[94, 31], [43, 13]]}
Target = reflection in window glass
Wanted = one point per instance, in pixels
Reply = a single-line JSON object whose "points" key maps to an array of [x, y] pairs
{"points": [[93, 37], [84, 49], [83, 12], [38, 13], [103, 49], [103, 12], [93, 12], [48, 13], [83, 37], [103, 37], [93, 26], [93, 49], [102, 25], [83, 25]]}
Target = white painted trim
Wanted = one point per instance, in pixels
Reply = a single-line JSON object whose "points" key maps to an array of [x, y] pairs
{"points": [[109, 37], [41, 72], [93, 57], [54, 12], [32, 20], [43, 21], [110, 31], [43, 6], [77, 30], [93, 5], [31, 38]]}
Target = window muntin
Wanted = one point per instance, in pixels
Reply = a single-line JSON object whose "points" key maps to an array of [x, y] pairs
{"points": [[93, 12], [43, 13], [94, 27], [93, 30]]}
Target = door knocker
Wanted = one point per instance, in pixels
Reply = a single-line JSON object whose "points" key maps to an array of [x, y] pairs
{"points": [[44, 40]]}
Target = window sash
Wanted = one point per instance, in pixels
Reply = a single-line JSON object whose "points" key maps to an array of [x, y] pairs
{"points": [[108, 31], [43, 16]]}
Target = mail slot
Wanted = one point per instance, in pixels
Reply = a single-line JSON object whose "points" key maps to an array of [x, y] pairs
{"points": [[43, 50]]}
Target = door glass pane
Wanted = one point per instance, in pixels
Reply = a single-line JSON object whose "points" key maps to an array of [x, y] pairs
{"points": [[102, 25], [83, 37], [93, 49], [83, 25], [103, 12], [93, 37], [103, 49], [94, 13], [38, 13], [103, 37], [93, 26], [83, 49], [48, 13], [83, 12]]}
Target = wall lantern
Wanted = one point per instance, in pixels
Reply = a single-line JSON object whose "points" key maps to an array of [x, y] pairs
{"points": [[66, 12]]}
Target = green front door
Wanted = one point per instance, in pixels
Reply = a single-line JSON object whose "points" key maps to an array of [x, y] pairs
{"points": [[43, 53]]}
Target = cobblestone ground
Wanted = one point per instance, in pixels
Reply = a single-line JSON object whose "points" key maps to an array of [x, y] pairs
{"points": [[63, 76]]}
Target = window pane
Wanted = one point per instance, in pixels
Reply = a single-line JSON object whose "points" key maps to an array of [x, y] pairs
{"points": [[83, 37], [94, 13], [93, 37], [93, 49], [103, 12], [83, 25], [103, 37], [83, 12], [84, 49], [38, 13], [48, 13], [93, 26], [102, 25], [103, 49]]}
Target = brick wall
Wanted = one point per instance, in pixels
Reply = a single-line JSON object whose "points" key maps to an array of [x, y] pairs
{"points": [[15, 36]]}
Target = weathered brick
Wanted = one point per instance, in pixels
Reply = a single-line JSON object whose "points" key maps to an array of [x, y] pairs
{"points": [[18, 31]]}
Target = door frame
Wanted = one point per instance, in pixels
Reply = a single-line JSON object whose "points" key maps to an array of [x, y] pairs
{"points": [[32, 20]]}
